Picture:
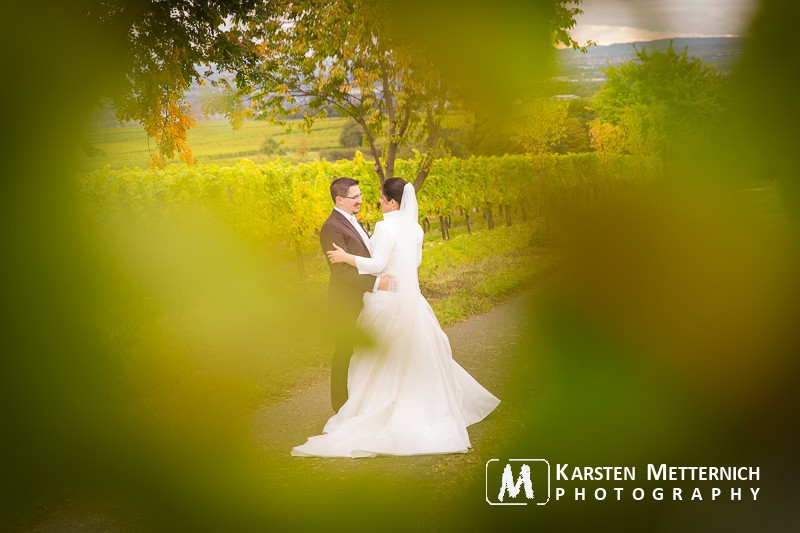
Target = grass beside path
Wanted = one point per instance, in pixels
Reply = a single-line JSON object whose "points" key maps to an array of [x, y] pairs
{"points": [[471, 274]]}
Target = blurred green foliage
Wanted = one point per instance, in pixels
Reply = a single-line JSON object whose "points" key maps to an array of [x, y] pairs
{"points": [[669, 336]]}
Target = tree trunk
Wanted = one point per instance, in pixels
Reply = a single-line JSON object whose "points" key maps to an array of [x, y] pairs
{"points": [[444, 228], [469, 228], [388, 171], [430, 154], [539, 199], [508, 215], [488, 216], [301, 267], [423, 173], [373, 149], [391, 150], [396, 131]]}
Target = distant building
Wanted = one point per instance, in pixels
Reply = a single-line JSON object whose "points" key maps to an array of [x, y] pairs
{"points": [[566, 97]]}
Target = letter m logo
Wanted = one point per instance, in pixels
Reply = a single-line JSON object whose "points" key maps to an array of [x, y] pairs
{"points": [[524, 480], [503, 488]]}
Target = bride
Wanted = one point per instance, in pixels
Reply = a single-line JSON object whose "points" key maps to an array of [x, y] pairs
{"points": [[407, 396]]}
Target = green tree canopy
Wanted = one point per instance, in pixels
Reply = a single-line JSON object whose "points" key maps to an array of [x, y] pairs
{"points": [[313, 56], [161, 44], [371, 61], [663, 100]]}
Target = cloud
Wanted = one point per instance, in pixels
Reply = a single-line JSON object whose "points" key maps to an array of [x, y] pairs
{"points": [[612, 21]]}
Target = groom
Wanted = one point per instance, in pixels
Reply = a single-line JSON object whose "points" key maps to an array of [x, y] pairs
{"points": [[346, 287]]}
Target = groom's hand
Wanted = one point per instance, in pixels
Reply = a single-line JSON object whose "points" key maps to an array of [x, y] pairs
{"points": [[386, 283]]}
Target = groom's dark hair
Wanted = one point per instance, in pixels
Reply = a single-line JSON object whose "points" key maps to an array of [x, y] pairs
{"points": [[340, 186]]}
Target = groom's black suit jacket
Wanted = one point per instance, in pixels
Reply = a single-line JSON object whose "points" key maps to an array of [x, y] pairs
{"points": [[345, 298], [346, 287]]}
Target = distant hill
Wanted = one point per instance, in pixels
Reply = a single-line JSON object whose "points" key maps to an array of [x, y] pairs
{"points": [[721, 52]]}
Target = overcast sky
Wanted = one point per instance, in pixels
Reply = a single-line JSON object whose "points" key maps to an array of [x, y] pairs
{"points": [[619, 21]]}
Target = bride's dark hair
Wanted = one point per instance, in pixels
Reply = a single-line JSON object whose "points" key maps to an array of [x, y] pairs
{"points": [[393, 189]]}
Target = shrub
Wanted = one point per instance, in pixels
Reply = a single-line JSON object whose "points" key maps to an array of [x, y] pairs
{"points": [[271, 147], [351, 136]]}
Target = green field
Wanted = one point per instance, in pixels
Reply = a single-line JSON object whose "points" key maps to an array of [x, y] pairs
{"points": [[217, 142]]}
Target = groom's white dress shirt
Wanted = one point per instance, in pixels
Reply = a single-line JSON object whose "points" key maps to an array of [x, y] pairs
{"points": [[354, 222]]}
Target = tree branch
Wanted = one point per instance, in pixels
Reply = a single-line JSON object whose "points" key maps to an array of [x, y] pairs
{"points": [[376, 155]]}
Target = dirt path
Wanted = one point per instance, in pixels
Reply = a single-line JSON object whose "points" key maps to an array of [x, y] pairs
{"points": [[479, 344], [431, 490]]}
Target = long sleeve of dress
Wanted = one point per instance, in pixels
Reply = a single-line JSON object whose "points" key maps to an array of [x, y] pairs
{"points": [[382, 243]]}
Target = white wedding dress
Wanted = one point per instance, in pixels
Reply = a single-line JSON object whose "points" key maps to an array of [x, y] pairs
{"points": [[407, 396]]}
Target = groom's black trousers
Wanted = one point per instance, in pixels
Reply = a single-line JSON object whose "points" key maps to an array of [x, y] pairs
{"points": [[341, 355], [339, 368]]}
